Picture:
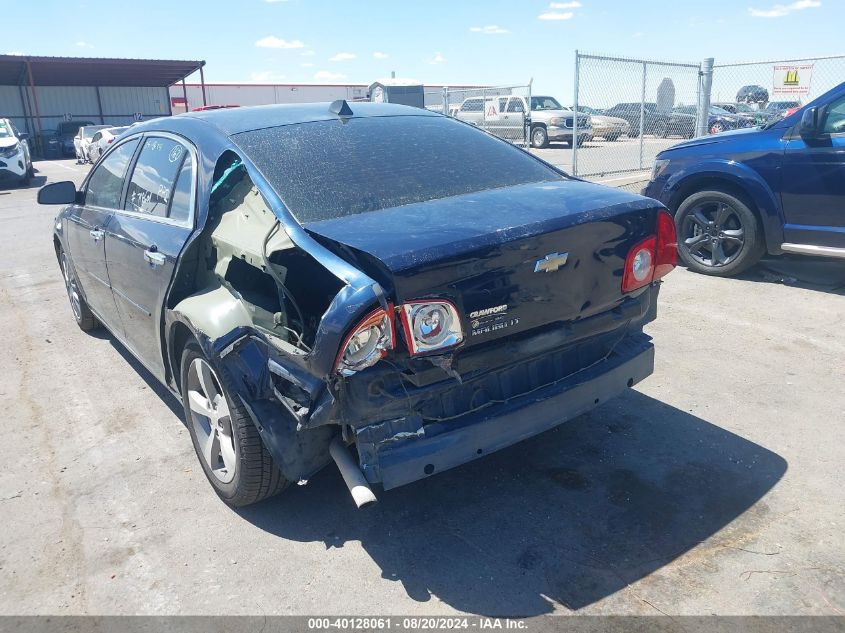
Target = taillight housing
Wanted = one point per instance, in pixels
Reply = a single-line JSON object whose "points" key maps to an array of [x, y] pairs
{"points": [[652, 258], [430, 325], [367, 343], [666, 257]]}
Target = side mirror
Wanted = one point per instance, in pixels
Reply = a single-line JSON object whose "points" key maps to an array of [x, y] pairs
{"points": [[809, 126], [57, 193], [23, 136]]}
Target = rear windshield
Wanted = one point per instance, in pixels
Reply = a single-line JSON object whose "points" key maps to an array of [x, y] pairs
{"points": [[330, 169]]}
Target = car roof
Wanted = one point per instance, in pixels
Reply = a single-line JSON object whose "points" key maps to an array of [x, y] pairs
{"points": [[236, 120]]}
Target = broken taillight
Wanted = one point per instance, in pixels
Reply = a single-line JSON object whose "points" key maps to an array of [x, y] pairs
{"points": [[367, 343], [652, 258], [430, 325]]}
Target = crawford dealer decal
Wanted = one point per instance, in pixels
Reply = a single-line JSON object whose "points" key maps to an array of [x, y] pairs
{"points": [[490, 320]]}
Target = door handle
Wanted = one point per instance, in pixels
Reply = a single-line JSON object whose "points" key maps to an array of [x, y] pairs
{"points": [[96, 234], [153, 257]]}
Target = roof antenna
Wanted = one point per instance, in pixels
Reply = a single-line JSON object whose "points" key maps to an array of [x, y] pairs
{"points": [[340, 108]]}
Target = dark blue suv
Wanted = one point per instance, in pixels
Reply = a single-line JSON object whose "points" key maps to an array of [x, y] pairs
{"points": [[776, 188]]}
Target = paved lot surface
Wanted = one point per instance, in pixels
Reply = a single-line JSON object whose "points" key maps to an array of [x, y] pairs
{"points": [[599, 155], [714, 487]]}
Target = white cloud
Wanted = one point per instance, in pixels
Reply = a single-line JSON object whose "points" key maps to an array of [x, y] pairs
{"points": [[83, 44], [265, 76], [327, 75], [308, 53], [380, 55], [274, 1], [553, 15], [781, 10], [15, 53], [490, 29], [342, 57], [565, 5], [637, 34], [437, 59], [307, 65], [274, 42]]}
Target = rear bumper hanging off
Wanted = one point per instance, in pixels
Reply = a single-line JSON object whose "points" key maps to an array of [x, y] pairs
{"points": [[412, 456]]}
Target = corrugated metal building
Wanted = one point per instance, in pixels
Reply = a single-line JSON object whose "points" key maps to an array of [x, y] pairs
{"points": [[37, 93]]}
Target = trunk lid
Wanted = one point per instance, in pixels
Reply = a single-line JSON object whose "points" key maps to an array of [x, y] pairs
{"points": [[481, 251]]}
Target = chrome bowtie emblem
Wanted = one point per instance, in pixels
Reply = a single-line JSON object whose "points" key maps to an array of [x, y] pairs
{"points": [[551, 262]]}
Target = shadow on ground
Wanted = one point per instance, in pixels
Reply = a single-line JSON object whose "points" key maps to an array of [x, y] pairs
{"points": [[571, 516], [812, 273]]}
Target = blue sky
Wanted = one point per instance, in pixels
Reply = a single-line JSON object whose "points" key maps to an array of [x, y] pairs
{"points": [[436, 41]]}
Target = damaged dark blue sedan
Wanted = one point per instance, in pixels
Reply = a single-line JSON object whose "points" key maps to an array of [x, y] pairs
{"points": [[317, 277]]}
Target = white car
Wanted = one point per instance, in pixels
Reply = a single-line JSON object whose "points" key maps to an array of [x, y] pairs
{"points": [[15, 159], [83, 139], [101, 140]]}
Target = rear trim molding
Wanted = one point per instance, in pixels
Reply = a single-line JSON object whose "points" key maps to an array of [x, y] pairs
{"points": [[810, 249]]}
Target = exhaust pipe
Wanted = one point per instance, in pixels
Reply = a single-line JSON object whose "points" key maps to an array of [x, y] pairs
{"points": [[352, 475]]}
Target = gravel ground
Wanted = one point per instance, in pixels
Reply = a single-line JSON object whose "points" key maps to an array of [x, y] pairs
{"points": [[713, 487]]}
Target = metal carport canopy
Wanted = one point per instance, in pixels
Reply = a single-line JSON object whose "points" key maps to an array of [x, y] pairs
{"points": [[93, 71]]}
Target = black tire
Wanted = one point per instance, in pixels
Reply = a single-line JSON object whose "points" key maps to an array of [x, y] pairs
{"points": [[718, 234], [660, 129], [539, 137], [82, 314], [634, 133], [256, 476]]}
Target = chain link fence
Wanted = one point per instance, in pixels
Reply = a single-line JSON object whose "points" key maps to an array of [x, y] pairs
{"points": [[637, 108], [502, 111], [762, 90]]}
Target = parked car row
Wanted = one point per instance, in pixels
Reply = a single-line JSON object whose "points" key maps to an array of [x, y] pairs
{"points": [[92, 140], [504, 116]]}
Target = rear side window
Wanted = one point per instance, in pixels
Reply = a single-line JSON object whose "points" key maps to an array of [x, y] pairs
{"points": [[106, 183], [329, 169], [154, 176], [180, 204], [473, 105]]}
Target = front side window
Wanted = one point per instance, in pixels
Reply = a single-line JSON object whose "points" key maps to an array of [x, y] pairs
{"points": [[834, 122], [155, 173], [106, 182]]}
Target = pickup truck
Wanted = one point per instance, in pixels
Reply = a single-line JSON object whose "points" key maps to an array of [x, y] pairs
{"points": [[314, 277], [505, 117]]}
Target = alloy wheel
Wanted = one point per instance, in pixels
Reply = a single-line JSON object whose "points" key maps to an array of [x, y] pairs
{"points": [[713, 234], [211, 420]]}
